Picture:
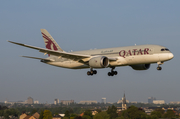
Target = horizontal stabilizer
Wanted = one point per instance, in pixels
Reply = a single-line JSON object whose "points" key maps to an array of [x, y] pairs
{"points": [[38, 58]]}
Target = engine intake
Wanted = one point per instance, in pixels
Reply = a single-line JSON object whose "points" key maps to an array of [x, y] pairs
{"points": [[99, 62], [141, 66]]}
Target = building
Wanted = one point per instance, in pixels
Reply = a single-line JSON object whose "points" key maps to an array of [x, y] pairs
{"points": [[30, 100], [124, 105], [56, 101], [150, 99], [88, 102], [67, 102], [18, 102], [158, 102], [103, 100], [22, 116], [120, 101], [34, 116], [36, 102], [175, 102]]}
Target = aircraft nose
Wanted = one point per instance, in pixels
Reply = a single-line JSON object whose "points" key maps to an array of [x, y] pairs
{"points": [[171, 56]]}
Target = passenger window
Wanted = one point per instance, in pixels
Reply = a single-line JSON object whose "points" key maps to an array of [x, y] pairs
{"points": [[162, 49]]}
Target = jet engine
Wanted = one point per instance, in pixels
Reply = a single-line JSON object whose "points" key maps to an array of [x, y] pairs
{"points": [[141, 66], [99, 62]]}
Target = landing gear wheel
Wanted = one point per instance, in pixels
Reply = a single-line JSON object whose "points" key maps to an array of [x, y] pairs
{"points": [[109, 73], [91, 72], [112, 73], [94, 72], [159, 68], [115, 72]]}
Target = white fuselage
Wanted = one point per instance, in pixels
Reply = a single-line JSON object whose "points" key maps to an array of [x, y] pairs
{"points": [[131, 55]]}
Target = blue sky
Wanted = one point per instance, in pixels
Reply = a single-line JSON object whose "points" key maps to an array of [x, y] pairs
{"points": [[82, 25]]}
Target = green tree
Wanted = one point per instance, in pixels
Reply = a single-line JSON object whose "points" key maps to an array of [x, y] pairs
{"points": [[67, 113], [41, 114], [87, 114], [65, 117], [33, 111], [169, 114], [86, 117], [154, 117], [71, 111], [134, 113], [78, 117], [14, 112], [4, 108], [101, 115], [1, 112], [112, 111], [156, 113], [160, 110], [6, 116], [99, 110], [120, 118], [73, 115], [7, 113], [47, 114]]}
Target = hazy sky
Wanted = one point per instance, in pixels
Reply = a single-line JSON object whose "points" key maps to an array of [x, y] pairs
{"points": [[83, 25]]}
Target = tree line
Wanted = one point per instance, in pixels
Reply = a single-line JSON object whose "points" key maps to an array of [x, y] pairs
{"points": [[131, 113], [73, 113]]}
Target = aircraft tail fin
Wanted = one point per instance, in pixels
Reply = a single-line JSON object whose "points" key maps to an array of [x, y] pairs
{"points": [[49, 41]]}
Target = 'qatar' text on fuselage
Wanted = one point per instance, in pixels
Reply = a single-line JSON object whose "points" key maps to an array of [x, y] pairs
{"points": [[124, 53]]}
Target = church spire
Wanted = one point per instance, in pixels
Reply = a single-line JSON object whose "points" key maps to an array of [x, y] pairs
{"points": [[124, 99], [124, 106]]}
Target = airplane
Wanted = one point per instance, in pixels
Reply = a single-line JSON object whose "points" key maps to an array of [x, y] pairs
{"points": [[139, 57]]}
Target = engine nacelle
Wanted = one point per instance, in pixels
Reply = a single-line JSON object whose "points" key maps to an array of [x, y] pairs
{"points": [[99, 62], [141, 66]]}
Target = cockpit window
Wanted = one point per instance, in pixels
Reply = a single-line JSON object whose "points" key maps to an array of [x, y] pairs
{"points": [[164, 49]]}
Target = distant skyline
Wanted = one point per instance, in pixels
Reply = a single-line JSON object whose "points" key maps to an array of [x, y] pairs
{"points": [[83, 25], [103, 98]]}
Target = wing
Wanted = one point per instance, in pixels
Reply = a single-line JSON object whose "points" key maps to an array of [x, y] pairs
{"points": [[76, 57], [71, 56]]}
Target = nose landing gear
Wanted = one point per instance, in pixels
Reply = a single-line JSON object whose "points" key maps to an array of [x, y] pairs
{"points": [[159, 67], [112, 73]]}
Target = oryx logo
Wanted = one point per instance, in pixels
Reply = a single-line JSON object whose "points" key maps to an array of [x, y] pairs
{"points": [[49, 43]]}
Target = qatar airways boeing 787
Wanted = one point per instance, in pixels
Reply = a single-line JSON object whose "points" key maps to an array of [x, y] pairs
{"points": [[138, 57]]}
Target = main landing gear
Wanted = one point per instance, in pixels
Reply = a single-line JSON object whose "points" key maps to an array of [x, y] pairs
{"points": [[91, 72], [112, 73], [159, 67]]}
